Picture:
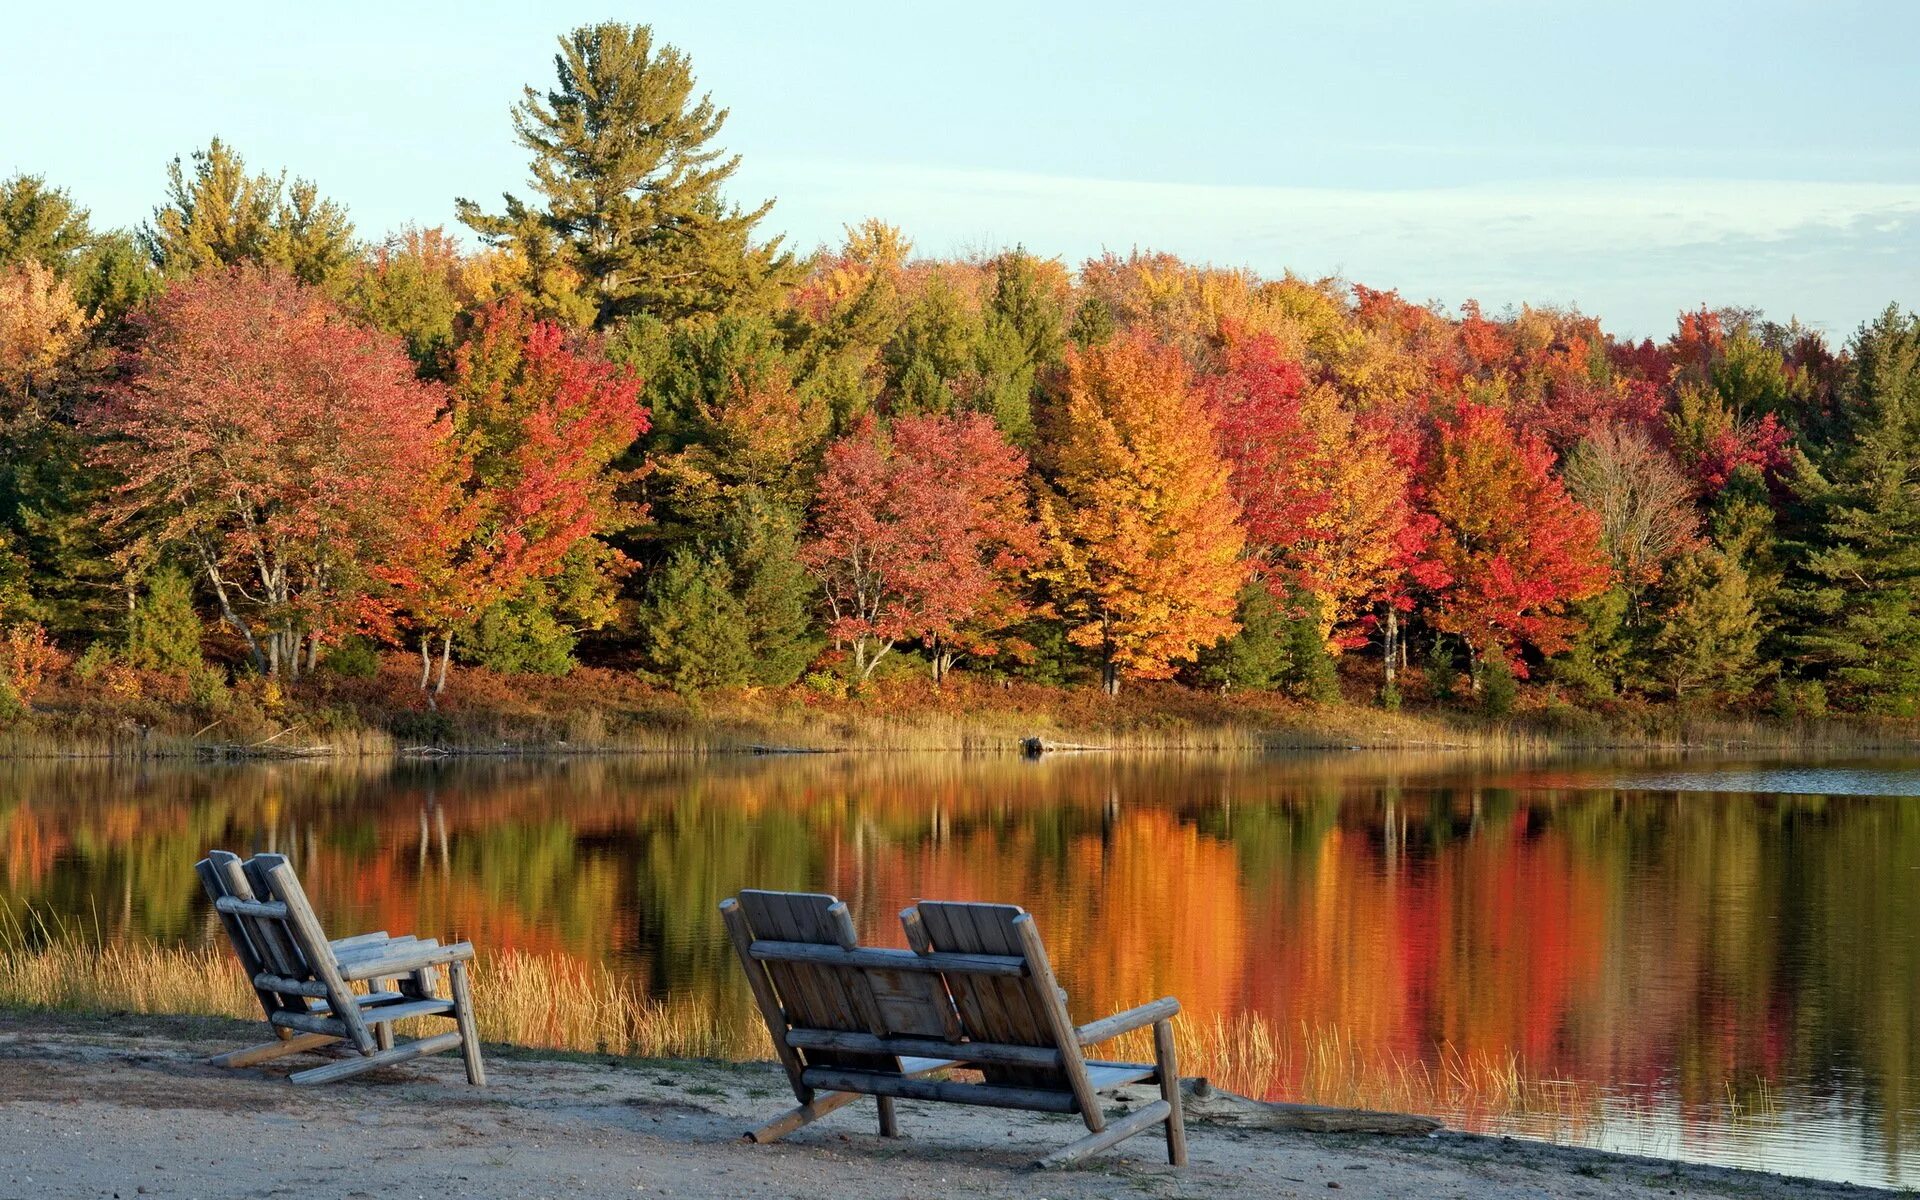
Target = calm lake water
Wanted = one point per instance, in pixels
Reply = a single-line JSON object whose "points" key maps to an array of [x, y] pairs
{"points": [[1723, 956]]}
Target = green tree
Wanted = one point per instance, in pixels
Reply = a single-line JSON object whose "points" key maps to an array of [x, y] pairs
{"points": [[1311, 673], [217, 214], [1853, 594], [1258, 657], [409, 284], [163, 631], [40, 224], [774, 590], [1603, 655], [693, 628], [631, 184], [1709, 636]]}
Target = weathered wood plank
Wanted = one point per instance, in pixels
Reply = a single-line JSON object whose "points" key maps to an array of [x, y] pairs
{"points": [[267, 1052], [1167, 1064], [405, 961], [270, 910], [312, 939], [385, 1058], [1119, 1131], [986, 1095], [735, 919], [888, 960], [1046, 995], [806, 1114], [469, 1031], [1094, 1032], [866, 1043]]}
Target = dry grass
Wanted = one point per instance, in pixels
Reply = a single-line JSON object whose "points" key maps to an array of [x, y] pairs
{"points": [[560, 1002]]}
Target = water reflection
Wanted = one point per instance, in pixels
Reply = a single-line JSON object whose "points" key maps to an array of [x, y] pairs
{"points": [[1737, 971]]}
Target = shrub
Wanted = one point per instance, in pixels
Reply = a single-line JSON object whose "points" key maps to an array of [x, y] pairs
{"points": [[354, 657], [1498, 690], [163, 632], [97, 657], [207, 689]]}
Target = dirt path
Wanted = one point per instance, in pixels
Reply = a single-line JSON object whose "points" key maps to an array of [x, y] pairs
{"points": [[90, 1108]]}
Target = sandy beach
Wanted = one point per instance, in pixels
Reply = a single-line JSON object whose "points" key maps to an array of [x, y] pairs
{"points": [[126, 1106]]}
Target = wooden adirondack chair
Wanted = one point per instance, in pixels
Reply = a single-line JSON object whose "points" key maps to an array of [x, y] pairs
{"points": [[305, 982], [976, 990]]}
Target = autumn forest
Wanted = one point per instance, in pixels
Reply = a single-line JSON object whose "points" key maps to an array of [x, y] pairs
{"points": [[610, 427]]}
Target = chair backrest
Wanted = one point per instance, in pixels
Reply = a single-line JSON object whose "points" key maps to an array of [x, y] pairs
{"points": [[279, 940], [818, 995], [1028, 1009]]}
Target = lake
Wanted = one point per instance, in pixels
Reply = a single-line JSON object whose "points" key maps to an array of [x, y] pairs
{"points": [[1716, 960]]}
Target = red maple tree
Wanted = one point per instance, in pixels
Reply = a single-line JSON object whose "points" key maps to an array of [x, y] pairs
{"points": [[275, 443], [1509, 547], [920, 530]]}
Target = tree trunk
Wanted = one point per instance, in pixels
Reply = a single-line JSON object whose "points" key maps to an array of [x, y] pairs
{"points": [[1393, 641], [1110, 677], [313, 653], [446, 657]]}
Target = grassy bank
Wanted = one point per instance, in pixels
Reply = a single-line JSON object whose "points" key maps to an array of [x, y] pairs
{"points": [[131, 714], [560, 1003]]}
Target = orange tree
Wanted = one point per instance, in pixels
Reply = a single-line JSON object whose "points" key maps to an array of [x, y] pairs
{"points": [[1142, 532]]}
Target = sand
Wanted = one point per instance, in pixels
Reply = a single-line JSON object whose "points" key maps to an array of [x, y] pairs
{"points": [[124, 1107]]}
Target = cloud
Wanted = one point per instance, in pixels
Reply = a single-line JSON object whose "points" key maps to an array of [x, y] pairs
{"points": [[1634, 251]]}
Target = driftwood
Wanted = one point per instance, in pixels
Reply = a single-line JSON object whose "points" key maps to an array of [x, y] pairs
{"points": [[1034, 747], [1217, 1106]]}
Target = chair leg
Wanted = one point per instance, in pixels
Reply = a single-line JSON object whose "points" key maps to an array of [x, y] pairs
{"points": [[469, 1030], [806, 1114], [269, 1051], [889, 1119], [1167, 1060], [405, 1052], [383, 1032], [1118, 1131]]}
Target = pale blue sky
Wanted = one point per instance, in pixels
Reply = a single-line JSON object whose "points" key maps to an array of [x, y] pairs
{"points": [[1634, 158]]}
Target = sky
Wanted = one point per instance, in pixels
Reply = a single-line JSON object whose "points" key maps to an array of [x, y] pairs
{"points": [[1634, 159]]}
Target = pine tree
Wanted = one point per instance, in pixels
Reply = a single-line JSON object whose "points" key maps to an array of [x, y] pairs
{"points": [[40, 224], [631, 186], [1709, 636], [217, 215], [1257, 657], [163, 631], [694, 629], [1854, 589], [775, 593]]}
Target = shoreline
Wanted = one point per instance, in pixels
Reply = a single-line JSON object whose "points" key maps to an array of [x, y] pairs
{"points": [[597, 1125], [597, 712]]}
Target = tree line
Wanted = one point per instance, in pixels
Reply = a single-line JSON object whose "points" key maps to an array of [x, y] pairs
{"points": [[613, 423]]}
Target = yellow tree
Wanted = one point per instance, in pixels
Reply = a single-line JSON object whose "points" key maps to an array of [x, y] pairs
{"points": [[1143, 534]]}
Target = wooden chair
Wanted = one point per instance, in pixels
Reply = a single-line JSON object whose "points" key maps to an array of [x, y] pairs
{"points": [[305, 982], [976, 990]]}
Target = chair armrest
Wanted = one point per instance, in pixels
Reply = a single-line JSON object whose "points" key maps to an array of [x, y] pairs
{"points": [[365, 939], [1127, 1022], [399, 960]]}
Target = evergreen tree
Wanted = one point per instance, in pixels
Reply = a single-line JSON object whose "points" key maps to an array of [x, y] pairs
{"points": [[773, 588], [631, 186], [522, 636], [40, 224], [1310, 673], [1602, 656], [163, 631], [217, 215], [112, 276], [1709, 636], [1258, 657], [694, 629], [1854, 591]]}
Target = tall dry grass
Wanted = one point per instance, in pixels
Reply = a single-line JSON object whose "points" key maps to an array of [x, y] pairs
{"points": [[554, 1001]]}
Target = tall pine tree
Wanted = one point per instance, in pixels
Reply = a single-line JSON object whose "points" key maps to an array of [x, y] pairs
{"points": [[1854, 590], [630, 184]]}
